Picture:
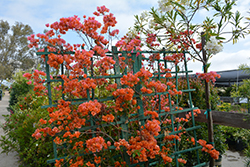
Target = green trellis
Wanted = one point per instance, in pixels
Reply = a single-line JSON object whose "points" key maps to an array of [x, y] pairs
{"points": [[123, 120]]}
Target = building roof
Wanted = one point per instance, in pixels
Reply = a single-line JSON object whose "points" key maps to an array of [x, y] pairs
{"points": [[231, 77]]}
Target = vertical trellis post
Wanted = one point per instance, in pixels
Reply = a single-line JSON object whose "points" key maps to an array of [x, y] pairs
{"points": [[123, 118], [207, 92], [136, 67], [171, 109], [48, 75], [49, 91], [191, 106]]}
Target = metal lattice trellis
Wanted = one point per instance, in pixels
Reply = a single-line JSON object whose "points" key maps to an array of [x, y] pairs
{"points": [[124, 121]]}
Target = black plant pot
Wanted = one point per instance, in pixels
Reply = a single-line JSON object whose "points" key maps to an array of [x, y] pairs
{"points": [[218, 162], [240, 145], [230, 141]]}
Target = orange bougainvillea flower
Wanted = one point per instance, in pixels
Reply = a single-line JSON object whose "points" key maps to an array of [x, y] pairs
{"points": [[93, 107], [108, 118], [209, 149], [96, 144], [180, 160]]}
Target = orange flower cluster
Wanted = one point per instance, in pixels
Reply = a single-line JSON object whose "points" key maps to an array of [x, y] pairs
{"points": [[123, 95], [171, 137], [38, 81], [129, 44], [181, 119], [78, 144], [184, 40], [192, 140], [97, 160], [108, 118], [145, 90], [145, 142], [27, 75], [118, 164], [144, 75], [130, 80], [166, 158], [208, 76], [152, 113], [121, 142], [89, 28], [180, 160], [147, 147], [58, 162], [55, 60], [196, 112], [174, 92], [111, 86], [106, 63], [78, 88], [176, 57], [96, 144], [157, 85], [198, 46], [93, 107], [153, 127], [89, 164], [154, 57], [79, 162], [209, 149], [82, 59], [151, 38]]}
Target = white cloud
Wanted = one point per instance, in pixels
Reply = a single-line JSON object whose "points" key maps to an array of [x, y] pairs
{"points": [[227, 61], [38, 13], [223, 61]]}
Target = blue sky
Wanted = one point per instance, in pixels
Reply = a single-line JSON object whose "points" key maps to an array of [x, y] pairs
{"points": [[37, 13]]}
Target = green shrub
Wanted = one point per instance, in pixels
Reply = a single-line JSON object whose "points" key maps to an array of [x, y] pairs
{"points": [[19, 128], [236, 133], [19, 88], [225, 107], [247, 154], [198, 96]]}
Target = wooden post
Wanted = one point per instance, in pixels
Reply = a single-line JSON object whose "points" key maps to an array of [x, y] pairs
{"points": [[207, 93]]}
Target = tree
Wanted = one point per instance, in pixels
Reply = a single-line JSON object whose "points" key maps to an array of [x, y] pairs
{"points": [[174, 26], [14, 51]]}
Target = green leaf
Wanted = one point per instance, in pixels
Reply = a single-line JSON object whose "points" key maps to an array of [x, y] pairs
{"points": [[179, 5], [220, 38]]}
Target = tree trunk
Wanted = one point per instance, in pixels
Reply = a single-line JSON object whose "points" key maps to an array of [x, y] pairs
{"points": [[207, 93]]}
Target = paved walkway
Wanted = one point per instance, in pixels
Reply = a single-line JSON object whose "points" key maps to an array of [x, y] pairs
{"points": [[232, 159], [10, 160]]}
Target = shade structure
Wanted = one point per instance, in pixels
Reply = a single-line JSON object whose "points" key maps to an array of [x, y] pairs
{"points": [[231, 77]]}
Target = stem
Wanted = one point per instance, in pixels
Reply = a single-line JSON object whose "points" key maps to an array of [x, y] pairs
{"points": [[210, 119]]}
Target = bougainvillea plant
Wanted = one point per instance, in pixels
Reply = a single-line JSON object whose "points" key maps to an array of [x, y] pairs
{"points": [[107, 143]]}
